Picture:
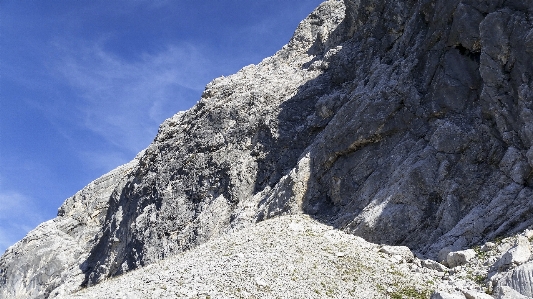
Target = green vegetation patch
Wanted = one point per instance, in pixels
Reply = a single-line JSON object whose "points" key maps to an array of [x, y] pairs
{"points": [[410, 293]]}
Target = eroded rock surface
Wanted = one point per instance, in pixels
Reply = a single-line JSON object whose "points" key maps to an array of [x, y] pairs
{"points": [[519, 279], [403, 122], [291, 256], [50, 258]]}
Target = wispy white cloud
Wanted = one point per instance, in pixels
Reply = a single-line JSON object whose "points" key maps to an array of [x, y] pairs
{"points": [[125, 101], [121, 101], [18, 215]]}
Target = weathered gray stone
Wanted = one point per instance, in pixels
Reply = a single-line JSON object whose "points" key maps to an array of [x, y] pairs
{"points": [[443, 254], [458, 258], [515, 165], [520, 279], [403, 122], [508, 293], [402, 251], [469, 294], [444, 295], [50, 259], [488, 246], [433, 265], [517, 255]]}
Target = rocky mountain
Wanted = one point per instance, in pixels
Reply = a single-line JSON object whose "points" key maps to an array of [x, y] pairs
{"points": [[402, 122]]}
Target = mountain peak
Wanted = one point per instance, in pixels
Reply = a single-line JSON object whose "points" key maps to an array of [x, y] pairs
{"points": [[406, 123]]}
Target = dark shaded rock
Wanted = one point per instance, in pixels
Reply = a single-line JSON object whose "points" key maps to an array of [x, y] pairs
{"points": [[404, 122]]}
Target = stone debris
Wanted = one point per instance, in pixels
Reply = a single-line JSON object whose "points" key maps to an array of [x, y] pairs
{"points": [[396, 122], [433, 265], [272, 259], [247, 260]]}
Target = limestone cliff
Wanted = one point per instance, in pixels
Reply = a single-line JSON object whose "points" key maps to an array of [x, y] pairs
{"points": [[403, 122]]}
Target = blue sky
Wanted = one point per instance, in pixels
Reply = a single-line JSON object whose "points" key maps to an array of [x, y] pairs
{"points": [[85, 84]]}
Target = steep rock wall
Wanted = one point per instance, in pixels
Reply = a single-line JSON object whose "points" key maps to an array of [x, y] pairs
{"points": [[404, 122]]}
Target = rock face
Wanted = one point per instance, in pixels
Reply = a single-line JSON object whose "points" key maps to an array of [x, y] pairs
{"points": [[518, 254], [520, 279], [50, 256], [403, 122]]}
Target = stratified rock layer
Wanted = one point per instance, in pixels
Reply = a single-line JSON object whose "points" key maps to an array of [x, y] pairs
{"points": [[404, 122]]}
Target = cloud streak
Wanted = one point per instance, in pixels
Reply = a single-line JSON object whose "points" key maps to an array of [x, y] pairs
{"points": [[124, 101], [17, 217]]}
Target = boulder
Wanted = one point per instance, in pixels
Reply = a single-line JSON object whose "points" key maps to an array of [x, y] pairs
{"points": [[470, 294], [433, 265], [402, 251], [519, 279], [458, 258], [517, 255], [443, 254], [444, 295], [488, 246], [508, 293]]}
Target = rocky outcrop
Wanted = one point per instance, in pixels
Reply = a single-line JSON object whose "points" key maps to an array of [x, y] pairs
{"points": [[509, 293], [519, 279], [49, 259], [403, 122], [517, 255]]}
